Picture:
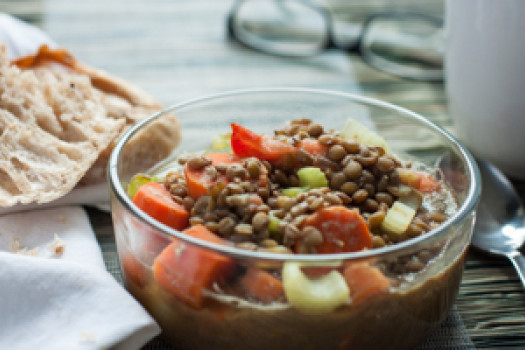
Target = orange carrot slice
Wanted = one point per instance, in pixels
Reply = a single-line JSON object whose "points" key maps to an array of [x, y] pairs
{"points": [[428, 183], [246, 143], [312, 146], [154, 199], [364, 281], [134, 271], [343, 230], [262, 285], [186, 271], [198, 181], [419, 180]]}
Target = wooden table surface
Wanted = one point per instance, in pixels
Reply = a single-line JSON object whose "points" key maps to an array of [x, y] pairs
{"points": [[177, 50]]}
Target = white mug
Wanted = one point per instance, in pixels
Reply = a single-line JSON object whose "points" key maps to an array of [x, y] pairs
{"points": [[485, 79]]}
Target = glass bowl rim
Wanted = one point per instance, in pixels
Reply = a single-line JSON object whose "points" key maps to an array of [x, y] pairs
{"points": [[467, 207]]}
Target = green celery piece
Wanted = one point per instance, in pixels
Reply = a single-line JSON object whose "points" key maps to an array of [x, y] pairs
{"points": [[137, 181], [273, 225], [293, 191], [314, 296], [221, 142], [312, 177]]}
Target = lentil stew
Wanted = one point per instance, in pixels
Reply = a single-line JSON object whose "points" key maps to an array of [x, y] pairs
{"points": [[302, 190]]}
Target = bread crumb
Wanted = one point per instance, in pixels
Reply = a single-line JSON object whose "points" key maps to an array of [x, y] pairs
{"points": [[57, 246], [16, 247], [62, 219], [86, 337]]}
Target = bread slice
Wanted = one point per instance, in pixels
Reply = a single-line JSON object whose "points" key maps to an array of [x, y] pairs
{"points": [[121, 99], [59, 120], [53, 127]]}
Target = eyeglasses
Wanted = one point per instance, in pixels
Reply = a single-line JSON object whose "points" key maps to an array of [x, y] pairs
{"points": [[408, 44]]}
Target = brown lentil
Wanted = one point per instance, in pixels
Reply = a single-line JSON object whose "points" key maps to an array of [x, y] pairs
{"points": [[336, 153], [370, 188], [299, 209], [384, 197], [378, 241], [243, 229], [278, 213], [351, 146], [367, 177], [304, 157], [414, 265], [226, 226], [312, 236], [375, 219], [268, 243], [302, 134], [359, 196], [370, 205], [353, 170], [210, 216], [315, 203], [337, 180], [178, 190], [293, 181], [325, 163], [436, 216], [200, 205], [177, 199], [333, 199], [198, 162], [195, 220], [299, 220], [280, 177], [424, 256], [236, 171], [414, 230], [421, 223], [188, 203], [254, 168], [234, 189], [385, 164], [325, 139], [314, 129], [349, 188], [285, 202], [367, 161], [291, 233], [211, 225], [260, 221], [382, 183]]}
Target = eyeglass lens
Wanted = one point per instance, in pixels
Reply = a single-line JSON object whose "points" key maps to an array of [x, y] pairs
{"points": [[404, 45], [289, 28]]}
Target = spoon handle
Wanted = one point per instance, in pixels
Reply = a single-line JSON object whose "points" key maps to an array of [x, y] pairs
{"points": [[518, 261]]}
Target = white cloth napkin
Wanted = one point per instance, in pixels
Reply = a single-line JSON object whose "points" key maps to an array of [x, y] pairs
{"points": [[55, 292], [94, 195]]}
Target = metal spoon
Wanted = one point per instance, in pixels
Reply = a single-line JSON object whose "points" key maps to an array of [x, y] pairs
{"points": [[500, 225]]}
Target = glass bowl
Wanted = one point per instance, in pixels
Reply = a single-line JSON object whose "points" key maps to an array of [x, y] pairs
{"points": [[424, 272]]}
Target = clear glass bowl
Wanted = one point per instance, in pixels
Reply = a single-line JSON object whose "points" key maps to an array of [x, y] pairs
{"points": [[417, 300]]}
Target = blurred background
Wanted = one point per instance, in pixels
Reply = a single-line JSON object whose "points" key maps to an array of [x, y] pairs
{"points": [[178, 50]]}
